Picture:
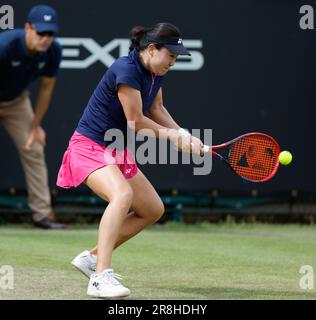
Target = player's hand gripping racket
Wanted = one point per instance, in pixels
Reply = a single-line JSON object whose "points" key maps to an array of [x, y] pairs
{"points": [[253, 156]]}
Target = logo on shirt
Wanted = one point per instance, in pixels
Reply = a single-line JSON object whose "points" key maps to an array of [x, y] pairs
{"points": [[180, 41], [41, 65], [47, 17], [15, 63]]}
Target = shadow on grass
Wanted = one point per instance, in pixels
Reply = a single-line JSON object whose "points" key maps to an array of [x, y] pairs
{"points": [[241, 293]]}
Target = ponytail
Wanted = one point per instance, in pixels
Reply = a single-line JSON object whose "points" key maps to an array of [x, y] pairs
{"points": [[138, 35], [141, 36]]}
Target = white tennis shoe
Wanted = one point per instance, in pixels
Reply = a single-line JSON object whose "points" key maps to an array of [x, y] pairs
{"points": [[85, 262], [106, 285]]}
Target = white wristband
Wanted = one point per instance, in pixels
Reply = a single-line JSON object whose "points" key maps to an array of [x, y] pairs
{"points": [[184, 132]]}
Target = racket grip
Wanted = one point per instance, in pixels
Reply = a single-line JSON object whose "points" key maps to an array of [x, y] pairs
{"points": [[206, 148]]}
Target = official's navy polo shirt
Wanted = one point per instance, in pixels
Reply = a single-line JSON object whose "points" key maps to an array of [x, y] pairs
{"points": [[104, 110], [18, 68]]}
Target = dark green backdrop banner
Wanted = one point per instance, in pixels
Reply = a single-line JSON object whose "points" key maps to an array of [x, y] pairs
{"points": [[252, 69]]}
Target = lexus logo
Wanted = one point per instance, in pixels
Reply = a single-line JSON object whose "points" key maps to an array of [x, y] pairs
{"points": [[74, 49]]}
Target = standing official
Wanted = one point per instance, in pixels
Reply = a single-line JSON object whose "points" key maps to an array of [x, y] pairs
{"points": [[26, 55]]}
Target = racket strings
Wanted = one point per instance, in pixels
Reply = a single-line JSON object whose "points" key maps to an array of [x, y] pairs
{"points": [[254, 157]]}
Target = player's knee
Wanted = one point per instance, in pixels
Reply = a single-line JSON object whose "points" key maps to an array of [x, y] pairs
{"points": [[158, 212], [124, 197]]}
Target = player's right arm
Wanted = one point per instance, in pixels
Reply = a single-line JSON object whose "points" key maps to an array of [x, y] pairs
{"points": [[131, 101]]}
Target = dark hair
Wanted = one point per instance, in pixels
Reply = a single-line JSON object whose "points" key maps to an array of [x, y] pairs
{"points": [[160, 30]]}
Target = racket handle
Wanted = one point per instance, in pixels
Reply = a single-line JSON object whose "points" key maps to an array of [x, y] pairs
{"points": [[206, 148]]}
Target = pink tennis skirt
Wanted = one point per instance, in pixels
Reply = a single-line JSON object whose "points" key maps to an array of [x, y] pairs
{"points": [[83, 156]]}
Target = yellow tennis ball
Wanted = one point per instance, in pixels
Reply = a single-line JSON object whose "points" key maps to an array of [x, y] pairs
{"points": [[285, 158]]}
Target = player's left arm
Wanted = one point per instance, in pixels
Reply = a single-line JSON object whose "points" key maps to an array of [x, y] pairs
{"points": [[158, 113]]}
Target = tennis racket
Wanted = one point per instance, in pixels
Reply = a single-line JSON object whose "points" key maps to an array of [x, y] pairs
{"points": [[253, 156]]}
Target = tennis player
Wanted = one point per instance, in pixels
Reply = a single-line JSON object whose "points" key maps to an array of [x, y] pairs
{"points": [[129, 94]]}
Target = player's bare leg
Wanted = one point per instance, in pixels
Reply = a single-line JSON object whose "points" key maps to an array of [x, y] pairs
{"points": [[147, 209], [109, 183]]}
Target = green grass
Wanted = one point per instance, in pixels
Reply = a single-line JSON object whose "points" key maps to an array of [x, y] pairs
{"points": [[206, 261]]}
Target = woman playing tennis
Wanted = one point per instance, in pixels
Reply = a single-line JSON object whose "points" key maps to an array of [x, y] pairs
{"points": [[130, 92]]}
